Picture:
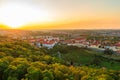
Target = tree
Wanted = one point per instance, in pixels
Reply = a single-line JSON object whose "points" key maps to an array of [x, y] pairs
{"points": [[108, 51], [48, 75], [34, 74]]}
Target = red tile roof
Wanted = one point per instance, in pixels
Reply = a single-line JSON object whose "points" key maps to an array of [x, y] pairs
{"points": [[32, 40], [48, 42], [80, 39]]}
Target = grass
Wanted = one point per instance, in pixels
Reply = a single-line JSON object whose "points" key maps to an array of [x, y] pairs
{"points": [[80, 57], [84, 57]]}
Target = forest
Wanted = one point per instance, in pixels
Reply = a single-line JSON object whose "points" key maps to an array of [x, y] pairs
{"points": [[21, 61]]}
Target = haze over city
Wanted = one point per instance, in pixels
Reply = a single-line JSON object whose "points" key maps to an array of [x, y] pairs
{"points": [[59, 14]]}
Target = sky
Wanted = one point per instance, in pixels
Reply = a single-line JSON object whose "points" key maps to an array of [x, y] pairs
{"points": [[60, 14]]}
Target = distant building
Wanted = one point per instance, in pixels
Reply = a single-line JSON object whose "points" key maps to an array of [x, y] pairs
{"points": [[44, 42], [48, 44]]}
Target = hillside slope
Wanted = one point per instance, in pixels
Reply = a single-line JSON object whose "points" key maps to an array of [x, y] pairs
{"points": [[85, 57], [21, 61]]}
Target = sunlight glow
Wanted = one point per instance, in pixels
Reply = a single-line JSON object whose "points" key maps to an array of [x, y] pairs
{"points": [[16, 15]]}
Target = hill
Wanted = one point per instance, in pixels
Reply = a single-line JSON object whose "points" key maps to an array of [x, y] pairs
{"points": [[21, 61], [85, 57]]}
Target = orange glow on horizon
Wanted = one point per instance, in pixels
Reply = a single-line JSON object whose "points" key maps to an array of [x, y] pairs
{"points": [[74, 24]]}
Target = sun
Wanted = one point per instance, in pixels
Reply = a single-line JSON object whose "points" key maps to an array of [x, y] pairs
{"points": [[16, 15]]}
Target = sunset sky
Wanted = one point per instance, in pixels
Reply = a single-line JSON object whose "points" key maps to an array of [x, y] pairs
{"points": [[60, 14]]}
